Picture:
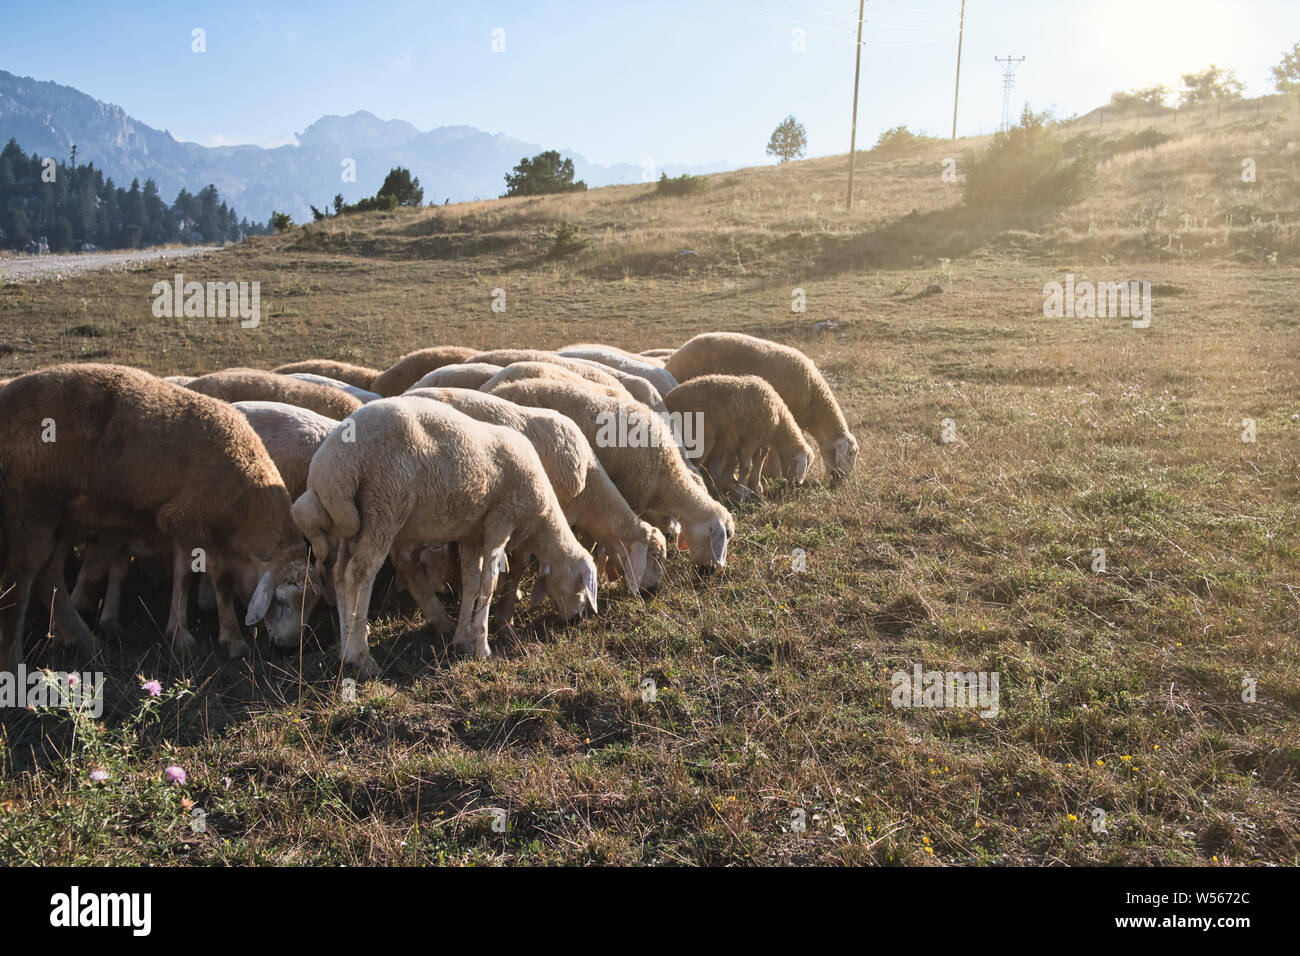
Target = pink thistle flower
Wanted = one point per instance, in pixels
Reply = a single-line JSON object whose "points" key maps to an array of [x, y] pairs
{"points": [[176, 774]]}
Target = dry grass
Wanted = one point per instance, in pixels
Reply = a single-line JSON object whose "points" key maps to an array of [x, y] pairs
{"points": [[1119, 691]]}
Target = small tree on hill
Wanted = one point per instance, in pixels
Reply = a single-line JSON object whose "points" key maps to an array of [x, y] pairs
{"points": [[789, 140], [1286, 75], [402, 187], [544, 173], [1212, 83]]}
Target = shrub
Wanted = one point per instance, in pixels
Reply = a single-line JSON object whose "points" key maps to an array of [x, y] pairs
{"points": [[899, 139], [1023, 168], [566, 239], [683, 185], [280, 221]]}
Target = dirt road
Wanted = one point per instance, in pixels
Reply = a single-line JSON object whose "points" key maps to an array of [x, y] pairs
{"points": [[37, 268]]}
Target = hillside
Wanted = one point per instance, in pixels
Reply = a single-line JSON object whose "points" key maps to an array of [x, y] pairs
{"points": [[1121, 689]]}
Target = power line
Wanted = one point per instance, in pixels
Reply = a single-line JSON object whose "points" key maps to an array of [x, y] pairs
{"points": [[773, 23], [961, 30], [1008, 81], [853, 130]]}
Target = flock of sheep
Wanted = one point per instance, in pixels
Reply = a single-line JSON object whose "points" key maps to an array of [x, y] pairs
{"points": [[295, 485]]}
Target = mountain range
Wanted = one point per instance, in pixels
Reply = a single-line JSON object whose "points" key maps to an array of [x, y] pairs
{"points": [[455, 163]]}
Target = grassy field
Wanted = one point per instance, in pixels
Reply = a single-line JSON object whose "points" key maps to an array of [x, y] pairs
{"points": [[1121, 691]]}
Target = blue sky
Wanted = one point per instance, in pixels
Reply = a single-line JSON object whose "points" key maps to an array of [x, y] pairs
{"points": [[680, 81]]}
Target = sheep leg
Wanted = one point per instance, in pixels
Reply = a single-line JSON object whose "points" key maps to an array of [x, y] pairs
{"points": [[183, 643], [28, 553], [110, 613], [728, 480], [478, 573], [755, 479], [363, 564], [228, 633], [416, 579], [745, 460], [69, 629], [717, 461], [96, 561], [509, 598]]}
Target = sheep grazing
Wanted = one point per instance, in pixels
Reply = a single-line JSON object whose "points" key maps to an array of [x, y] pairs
{"points": [[356, 375], [460, 375], [415, 473], [179, 379], [636, 386], [254, 385], [524, 371], [652, 370], [638, 451], [291, 436], [745, 420], [588, 498], [360, 394], [91, 447], [412, 367], [796, 379], [660, 354]]}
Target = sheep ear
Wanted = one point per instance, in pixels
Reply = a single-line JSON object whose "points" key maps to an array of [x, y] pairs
{"points": [[260, 603], [801, 463], [539, 593], [589, 585], [634, 565], [718, 542]]}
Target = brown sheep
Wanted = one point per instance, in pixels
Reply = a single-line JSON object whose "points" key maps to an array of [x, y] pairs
{"points": [[358, 375], [254, 385], [413, 366], [98, 447]]}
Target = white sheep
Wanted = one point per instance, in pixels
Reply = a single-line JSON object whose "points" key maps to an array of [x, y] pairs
{"points": [[459, 375], [590, 501], [796, 379], [641, 457], [637, 387], [414, 472], [652, 370], [360, 394], [744, 421]]}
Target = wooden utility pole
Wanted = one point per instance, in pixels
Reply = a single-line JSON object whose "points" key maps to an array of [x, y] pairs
{"points": [[957, 86], [853, 130]]}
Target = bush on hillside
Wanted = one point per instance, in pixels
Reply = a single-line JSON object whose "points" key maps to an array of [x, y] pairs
{"points": [[566, 239], [1025, 168], [683, 185], [899, 140]]}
